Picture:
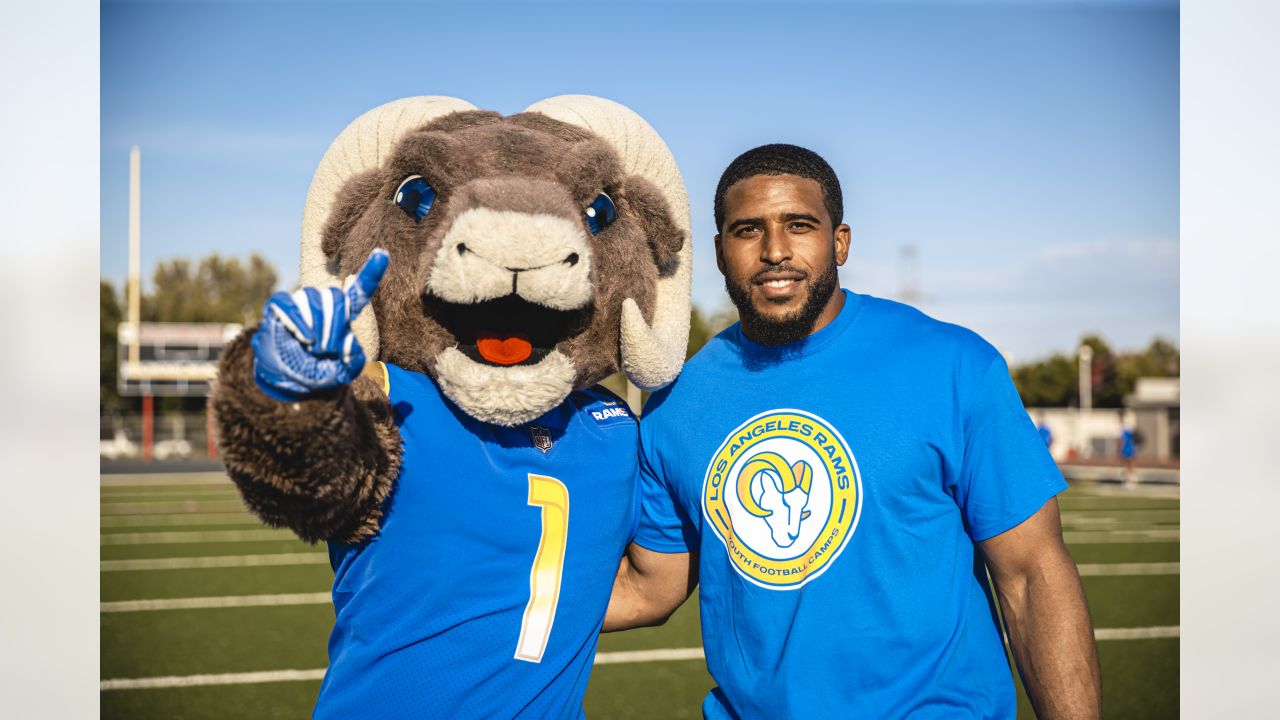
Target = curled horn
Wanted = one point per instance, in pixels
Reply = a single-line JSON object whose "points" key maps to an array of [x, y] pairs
{"points": [[759, 463], [364, 144], [651, 355]]}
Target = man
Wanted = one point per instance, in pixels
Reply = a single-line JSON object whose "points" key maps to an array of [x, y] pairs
{"points": [[834, 470], [1128, 438]]}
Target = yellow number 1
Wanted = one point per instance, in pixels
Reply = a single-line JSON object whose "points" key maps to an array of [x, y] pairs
{"points": [[552, 496]]}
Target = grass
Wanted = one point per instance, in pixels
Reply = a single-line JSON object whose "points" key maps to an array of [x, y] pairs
{"points": [[1140, 677]]}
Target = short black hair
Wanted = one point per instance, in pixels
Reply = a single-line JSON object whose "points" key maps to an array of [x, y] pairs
{"points": [[782, 159]]}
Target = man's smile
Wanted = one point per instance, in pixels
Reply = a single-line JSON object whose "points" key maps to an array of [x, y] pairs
{"points": [[778, 285]]}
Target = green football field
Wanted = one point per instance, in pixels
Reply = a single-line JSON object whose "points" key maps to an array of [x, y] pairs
{"points": [[206, 613]]}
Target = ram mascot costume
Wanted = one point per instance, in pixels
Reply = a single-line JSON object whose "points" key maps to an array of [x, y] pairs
{"points": [[449, 442]]}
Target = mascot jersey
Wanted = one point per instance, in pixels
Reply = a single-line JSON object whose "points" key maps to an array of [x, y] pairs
{"points": [[835, 488], [484, 592]]}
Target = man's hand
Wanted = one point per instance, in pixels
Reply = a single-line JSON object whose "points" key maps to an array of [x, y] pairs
{"points": [[1044, 609], [305, 343], [649, 587]]}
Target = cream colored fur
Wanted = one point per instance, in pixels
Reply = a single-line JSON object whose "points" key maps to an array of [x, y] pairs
{"points": [[505, 395], [364, 144], [652, 353], [500, 244]]}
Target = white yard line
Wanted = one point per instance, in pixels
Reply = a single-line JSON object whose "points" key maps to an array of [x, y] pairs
{"points": [[1099, 569], [218, 494], [198, 536], [219, 561], [604, 658], [1115, 525], [230, 518], [638, 656], [149, 480], [1141, 491], [171, 507], [1096, 537], [249, 678], [1138, 633], [226, 601]]}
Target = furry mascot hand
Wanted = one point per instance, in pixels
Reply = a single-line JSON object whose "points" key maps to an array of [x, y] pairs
{"points": [[305, 343]]}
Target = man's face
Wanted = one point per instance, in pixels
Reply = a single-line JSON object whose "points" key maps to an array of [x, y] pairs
{"points": [[778, 252]]}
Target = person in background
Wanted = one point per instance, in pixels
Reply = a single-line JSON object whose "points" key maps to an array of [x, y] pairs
{"points": [[1128, 441], [1046, 434]]}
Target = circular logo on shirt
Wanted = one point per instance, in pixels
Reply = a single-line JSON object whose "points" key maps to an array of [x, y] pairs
{"points": [[783, 494]]}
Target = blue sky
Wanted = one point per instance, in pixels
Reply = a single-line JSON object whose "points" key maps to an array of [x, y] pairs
{"points": [[1028, 152]]}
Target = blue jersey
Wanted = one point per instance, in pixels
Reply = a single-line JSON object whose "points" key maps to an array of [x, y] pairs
{"points": [[835, 488], [484, 592]]}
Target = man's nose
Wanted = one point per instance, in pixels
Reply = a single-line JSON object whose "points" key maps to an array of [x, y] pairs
{"points": [[776, 249]]}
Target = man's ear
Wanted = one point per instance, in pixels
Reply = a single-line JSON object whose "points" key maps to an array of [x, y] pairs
{"points": [[665, 237], [719, 254], [843, 238]]}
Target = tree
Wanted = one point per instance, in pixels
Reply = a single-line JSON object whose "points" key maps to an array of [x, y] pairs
{"points": [[1108, 392], [1055, 382], [1160, 359], [216, 290], [703, 328], [1049, 383], [109, 316]]}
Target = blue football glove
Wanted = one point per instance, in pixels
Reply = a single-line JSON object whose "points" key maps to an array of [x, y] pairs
{"points": [[305, 343]]}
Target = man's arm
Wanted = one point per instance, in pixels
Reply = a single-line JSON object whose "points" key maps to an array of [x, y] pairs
{"points": [[1048, 622], [649, 587]]}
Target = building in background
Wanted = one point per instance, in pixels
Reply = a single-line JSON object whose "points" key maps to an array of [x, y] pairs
{"points": [[1155, 404], [1095, 433]]}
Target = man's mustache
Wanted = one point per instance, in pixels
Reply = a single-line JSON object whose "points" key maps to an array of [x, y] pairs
{"points": [[778, 270]]}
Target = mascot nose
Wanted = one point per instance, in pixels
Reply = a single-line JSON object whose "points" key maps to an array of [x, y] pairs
{"points": [[571, 259]]}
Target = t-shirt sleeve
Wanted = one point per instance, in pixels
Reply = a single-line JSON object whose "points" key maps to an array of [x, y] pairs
{"points": [[1007, 473], [664, 526]]}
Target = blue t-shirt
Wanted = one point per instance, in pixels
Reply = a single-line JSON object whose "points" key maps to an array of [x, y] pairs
{"points": [[835, 488], [483, 594]]}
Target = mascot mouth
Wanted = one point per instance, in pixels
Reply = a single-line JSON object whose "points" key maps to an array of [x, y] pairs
{"points": [[509, 330]]}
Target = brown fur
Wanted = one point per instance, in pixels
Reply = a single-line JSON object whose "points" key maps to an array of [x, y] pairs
{"points": [[526, 162], [321, 467]]}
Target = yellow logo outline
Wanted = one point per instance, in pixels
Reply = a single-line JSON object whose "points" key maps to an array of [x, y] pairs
{"points": [[837, 467]]}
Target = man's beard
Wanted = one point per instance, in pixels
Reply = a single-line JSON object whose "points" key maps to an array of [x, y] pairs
{"points": [[790, 328]]}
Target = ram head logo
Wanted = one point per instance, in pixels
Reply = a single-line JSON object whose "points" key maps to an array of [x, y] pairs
{"points": [[770, 489]]}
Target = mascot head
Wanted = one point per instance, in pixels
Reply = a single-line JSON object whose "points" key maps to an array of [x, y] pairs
{"points": [[531, 255]]}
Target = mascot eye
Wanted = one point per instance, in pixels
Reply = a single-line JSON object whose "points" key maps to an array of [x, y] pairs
{"points": [[415, 197], [600, 214]]}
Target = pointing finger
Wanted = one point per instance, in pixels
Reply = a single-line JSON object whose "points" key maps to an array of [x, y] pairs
{"points": [[362, 286]]}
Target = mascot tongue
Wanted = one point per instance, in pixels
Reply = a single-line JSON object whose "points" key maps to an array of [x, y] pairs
{"points": [[504, 350]]}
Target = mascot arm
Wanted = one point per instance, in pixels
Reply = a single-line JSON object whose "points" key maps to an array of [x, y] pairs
{"points": [[310, 443], [320, 466]]}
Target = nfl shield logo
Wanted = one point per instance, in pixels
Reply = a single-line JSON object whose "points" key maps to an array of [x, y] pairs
{"points": [[541, 438]]}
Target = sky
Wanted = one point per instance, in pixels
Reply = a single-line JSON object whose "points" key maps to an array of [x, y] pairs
{"points": [[1025, 155]]}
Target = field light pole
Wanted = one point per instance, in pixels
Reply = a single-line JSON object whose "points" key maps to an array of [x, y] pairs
{"points": [[135, 249], [135, 293], [1086, 397], [1086, 377]]}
